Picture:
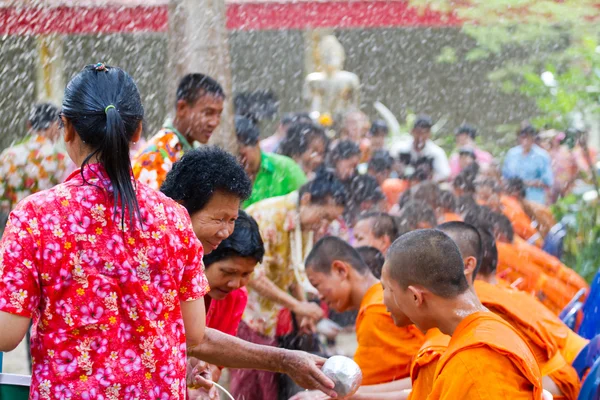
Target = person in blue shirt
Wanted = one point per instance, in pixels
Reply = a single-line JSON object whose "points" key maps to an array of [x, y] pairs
{"points": [[531, 163]]}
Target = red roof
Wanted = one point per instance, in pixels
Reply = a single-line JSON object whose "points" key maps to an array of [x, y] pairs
{"points": [[110, 16]]}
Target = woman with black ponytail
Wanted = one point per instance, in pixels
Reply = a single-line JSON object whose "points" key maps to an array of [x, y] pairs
{"points": [[109, 270]]}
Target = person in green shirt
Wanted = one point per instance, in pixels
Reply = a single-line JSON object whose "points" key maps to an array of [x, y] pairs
{"points": [[272, 174]]}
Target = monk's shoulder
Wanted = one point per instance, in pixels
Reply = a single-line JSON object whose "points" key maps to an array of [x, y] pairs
{"points": [[483, 373]]}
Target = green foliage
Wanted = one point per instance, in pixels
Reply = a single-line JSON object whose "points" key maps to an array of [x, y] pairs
{"points": [[583, 234], [530, 37]]}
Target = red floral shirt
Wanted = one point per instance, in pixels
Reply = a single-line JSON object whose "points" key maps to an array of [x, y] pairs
{"points": [[105, 302]]}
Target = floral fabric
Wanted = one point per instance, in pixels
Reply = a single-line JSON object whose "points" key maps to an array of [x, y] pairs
{"points": [[28, 167], [105, 301], [277, 218], [152, 163]]}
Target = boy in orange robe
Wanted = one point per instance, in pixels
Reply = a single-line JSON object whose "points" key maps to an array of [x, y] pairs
{"points": [[345, 282], [541, 329], [424, 279]]}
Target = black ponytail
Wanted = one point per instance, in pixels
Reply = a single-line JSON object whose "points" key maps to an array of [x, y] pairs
{"points": [[104, 106]]}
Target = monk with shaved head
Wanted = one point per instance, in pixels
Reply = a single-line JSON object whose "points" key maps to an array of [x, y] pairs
{"points": [[525, 313], [345, 282], [424, 279]]}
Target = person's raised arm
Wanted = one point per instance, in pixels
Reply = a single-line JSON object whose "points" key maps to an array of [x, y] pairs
{"points": [[221, 349]]}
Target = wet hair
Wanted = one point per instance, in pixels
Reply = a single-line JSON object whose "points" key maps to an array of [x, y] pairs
{"points": [[42, 115], [245, 241], [299, 136], [373, 258], [489, 183], [382, 224], [193, 86], [378, 128], [414, 213], [526, 129], [428, 258], [364, 188], [489, 259], [468, 130], [424, 122], [516, 186], [330, 249], [467, 238], [290, 118], [200, 173], [465, 204], [104, 106], [465, 180], [423, 169], [323, 186], [502, 225], [344, 150], [381, 160], [427, 192], [246, 131], [447, 201]]}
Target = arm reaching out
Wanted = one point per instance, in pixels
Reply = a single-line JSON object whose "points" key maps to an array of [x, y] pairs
{"points": [[221, 349]]}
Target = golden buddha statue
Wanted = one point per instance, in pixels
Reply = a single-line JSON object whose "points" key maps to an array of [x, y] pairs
{"points": [[332, 90]]}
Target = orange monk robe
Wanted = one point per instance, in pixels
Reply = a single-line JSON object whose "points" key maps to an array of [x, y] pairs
{"points": [[486, 359], [514, 265], [384, 351], [422, 371], [517, 267], [518, 217], [552, 266], [541, 329], [392, 189]]}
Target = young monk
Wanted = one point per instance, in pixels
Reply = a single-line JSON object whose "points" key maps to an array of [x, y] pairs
{"points": [[424, 279], [345, 283], [538, 326]]}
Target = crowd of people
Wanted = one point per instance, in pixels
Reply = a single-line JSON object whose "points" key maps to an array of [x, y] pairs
{"points": [[146, 267]]}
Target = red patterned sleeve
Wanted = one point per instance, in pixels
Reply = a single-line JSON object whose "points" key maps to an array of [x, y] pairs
{"points": [[193, 284], [19, 276]]}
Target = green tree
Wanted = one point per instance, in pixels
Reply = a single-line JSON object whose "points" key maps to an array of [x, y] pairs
{"points": [[554, 50]]}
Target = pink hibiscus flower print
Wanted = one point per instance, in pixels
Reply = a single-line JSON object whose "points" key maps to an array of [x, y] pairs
{"points": [[124, 332], [92, 394], [13, 250], [99, 345], [132, 393], [161, 344], [62, 308], [90, 257], [90, 313], [115, 244], [49, 222], [52, 253], [79, 223], [158, 394], [87, 198], [131, 362], [66, 362], [13, 280], [101, 288], [61, 392], [168, 373], [162, 282], [154, 307], [105, 376], [156, 254]]}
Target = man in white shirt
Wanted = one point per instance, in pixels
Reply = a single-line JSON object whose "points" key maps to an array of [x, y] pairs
{"points": [[419, 146]]}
